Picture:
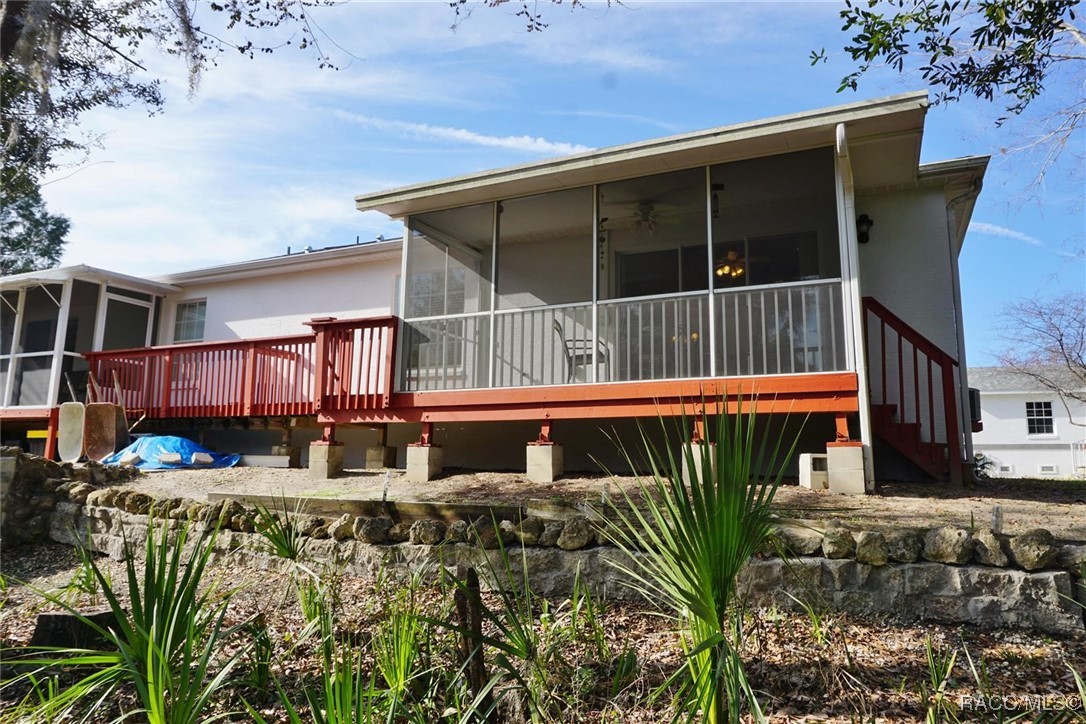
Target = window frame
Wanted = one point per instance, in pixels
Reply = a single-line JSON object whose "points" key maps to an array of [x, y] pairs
{"points": [[178, 322], [1040, 420]]}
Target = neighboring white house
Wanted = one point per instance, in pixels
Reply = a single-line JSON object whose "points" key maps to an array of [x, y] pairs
{"points": [[1029, 431]]}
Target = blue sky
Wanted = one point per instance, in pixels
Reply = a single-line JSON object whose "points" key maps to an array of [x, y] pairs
{"points": [[270, 152]]}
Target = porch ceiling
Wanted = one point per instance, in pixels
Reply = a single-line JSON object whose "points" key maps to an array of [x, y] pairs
{"points": [[886, 133]]}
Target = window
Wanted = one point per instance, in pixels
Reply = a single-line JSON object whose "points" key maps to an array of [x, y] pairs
{"points": [[1039, 418], [1048, 469], [188, 324]]}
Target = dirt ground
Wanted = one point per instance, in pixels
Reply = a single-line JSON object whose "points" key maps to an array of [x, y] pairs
{"points": [[1057, 505]]}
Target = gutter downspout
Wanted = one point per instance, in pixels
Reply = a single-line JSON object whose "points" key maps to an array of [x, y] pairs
{"points": [[964, 420]]}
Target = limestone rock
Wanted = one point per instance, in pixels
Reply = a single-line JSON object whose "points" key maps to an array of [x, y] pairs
{"points": [[372, 530], [342, 528], [43, 502], [78, 493], [871, 548], [195, 511], [800, 541], [948, 544], [904, 546], [426, 532], [103, 497], [838, 543], [457, 532], [1034, 550], [551, 532], [576, 534], [988, 549], [321, 531], [399, 533], [307, 524], [138, 503], [242, 523], [1073, 557], [529, 530], [485, 534], [230, 510]]}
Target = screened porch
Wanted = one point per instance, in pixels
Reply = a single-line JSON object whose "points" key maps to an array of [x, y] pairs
{"points": [[718, 271]]}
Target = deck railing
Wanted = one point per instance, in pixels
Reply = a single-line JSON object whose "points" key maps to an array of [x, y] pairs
{"points": [[354, 363], [914, 390], [773, 329], [260, 377]]}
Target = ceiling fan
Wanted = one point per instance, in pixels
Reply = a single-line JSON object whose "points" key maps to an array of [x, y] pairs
{"points": [[644, 216]]}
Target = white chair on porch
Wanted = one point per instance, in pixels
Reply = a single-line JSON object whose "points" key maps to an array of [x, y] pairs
{"points": [[578, 353]]}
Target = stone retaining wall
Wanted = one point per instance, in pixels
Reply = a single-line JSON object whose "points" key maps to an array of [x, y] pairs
{"points": [[898, 578], [944, 574]]}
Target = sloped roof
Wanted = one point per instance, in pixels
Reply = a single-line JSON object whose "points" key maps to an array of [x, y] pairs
{"points": [[1004, 379], [887, 133]]}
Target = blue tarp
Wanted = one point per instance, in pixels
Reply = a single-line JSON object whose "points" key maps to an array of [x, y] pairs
{"points": [[150, 447]]}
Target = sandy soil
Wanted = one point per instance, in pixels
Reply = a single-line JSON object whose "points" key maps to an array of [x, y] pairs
{"points": [[1059, 506]]}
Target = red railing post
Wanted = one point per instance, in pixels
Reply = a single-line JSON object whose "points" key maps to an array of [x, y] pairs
{"points": [[167, 383], [249, 388], [390, 362], [953, 443], [322, 381]]}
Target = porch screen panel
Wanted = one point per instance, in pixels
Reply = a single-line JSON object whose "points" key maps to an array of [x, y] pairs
{"points": [[9, 302], [40, 319], [544, 289], [774, 220], [81, 317], [652, 235], [126, 325], [448, 288]]}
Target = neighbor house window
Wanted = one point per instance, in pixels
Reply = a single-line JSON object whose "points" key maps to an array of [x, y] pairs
{"points": [[1039, 418], [188, 324]]}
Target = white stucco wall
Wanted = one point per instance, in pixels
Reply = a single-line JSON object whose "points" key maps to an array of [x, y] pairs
{"points": [[281, 304], [906, 265], [1006, 441]]}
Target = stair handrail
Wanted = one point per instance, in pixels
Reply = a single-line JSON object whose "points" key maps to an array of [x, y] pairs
{"points": [[946, 364], [908, 332]]}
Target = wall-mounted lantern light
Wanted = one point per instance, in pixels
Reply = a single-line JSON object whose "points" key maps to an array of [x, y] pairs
{"points": [[863, 228]]}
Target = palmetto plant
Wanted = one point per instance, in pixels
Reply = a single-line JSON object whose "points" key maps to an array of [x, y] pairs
{"points": [[687, 542], [164, 643]]}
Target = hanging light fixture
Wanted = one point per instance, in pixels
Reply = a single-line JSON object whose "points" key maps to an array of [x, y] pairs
{"points": [[730, 267]]}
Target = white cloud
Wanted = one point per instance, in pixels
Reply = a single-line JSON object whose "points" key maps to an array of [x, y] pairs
{"points": [[981, 227], [530, 144]]}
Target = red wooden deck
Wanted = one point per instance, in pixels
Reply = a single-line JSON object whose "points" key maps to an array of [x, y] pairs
{"points": [[344, 372]]}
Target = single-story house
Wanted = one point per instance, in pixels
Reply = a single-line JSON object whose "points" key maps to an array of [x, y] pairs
{"points": [[810, 260]]}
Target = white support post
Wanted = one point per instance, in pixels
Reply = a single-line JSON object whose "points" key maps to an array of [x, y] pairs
{"points": [[58, 343], [100, 319], [16, 340], [853, 301]]}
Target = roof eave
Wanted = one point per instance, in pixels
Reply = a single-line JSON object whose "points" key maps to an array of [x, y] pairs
{"points": [[83, 272], [271, 266], [609, 163]]}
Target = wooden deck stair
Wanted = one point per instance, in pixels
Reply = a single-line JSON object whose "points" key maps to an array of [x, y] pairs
{"points": [[905, 437], [914, 393]]}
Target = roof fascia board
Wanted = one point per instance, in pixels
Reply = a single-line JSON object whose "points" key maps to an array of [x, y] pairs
{"points": [[82, 272], [390, 201], [374, 251]]}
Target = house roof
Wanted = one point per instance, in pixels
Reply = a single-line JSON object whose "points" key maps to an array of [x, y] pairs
{"points": [[298, 261], [83, 272], [1005, 379], [883, 136]]}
